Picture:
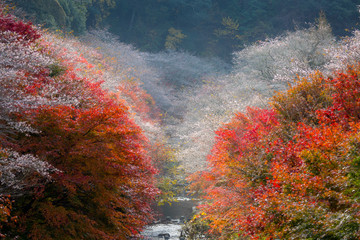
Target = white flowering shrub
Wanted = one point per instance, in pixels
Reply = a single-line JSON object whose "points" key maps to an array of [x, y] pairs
{"points": [[284, 58], [22, 172], [346, 52], [258, 71]]}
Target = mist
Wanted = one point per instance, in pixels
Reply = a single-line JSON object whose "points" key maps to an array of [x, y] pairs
{"points": [[196, 95]]}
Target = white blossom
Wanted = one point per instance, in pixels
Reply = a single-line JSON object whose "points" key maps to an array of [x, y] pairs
{"points": [[346, 52], [19, 173]]}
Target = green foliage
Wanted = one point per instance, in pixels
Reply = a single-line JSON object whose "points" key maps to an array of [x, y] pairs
{"points": [[174, 39], [47, 12], [76, 15], [354, 174], [197, 228], [229, 34], [67, 15], [170, 178], [56, 70], [212, 27], [230, 28]]}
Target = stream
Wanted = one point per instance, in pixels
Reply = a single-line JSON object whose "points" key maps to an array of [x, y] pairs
{"points": [[170, 220]]}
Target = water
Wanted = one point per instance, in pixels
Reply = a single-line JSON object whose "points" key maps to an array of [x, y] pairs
{"points": [[169, 219], [183, 207], [153, 231]]}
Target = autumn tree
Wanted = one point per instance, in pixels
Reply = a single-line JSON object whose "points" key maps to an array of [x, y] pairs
{"points": [[269, 172], [72, 159]]}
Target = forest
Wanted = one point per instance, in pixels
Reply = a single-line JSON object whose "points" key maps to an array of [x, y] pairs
{"points": [[201, 27], [108, 107]]}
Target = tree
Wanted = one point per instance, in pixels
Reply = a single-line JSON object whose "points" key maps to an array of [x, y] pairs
{"points": [[105, 183], [75, 164], [269, 169], [68, 15]]}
